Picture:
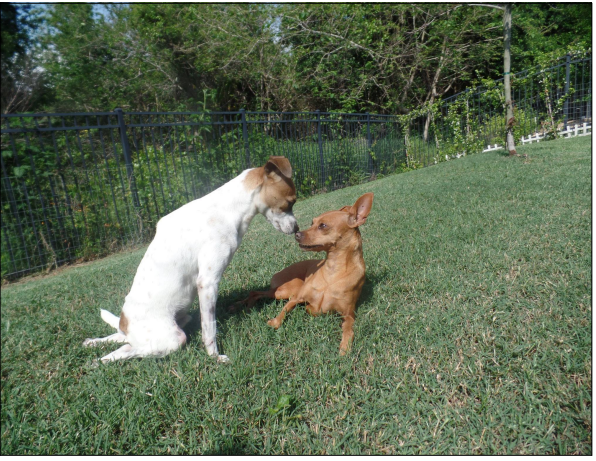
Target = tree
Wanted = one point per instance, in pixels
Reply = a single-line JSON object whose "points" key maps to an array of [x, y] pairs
{"points": [[509, 119], [22, 79], [81, 58], [385, 58], [549, 29], [227, 49]]}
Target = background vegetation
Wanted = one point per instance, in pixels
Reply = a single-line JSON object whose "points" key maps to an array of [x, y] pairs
{"points": [[473, 333], [387, 58], [67, 195]]}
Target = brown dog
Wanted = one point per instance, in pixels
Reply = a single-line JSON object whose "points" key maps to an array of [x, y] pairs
{"points": [[331, 284]]}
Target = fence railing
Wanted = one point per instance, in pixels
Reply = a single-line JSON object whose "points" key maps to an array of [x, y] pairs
{"points": [[79, 185]]}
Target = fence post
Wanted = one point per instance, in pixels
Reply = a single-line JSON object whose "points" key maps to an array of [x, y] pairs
{"points": [[127, 156], [369, 144], [245, 137], [322, 159], [567, 76]]}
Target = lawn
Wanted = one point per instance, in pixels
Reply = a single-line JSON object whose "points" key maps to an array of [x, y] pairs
{"points": [[472, 335]]}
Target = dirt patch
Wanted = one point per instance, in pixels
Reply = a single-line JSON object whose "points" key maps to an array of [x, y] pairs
{"points": [[64, 268]]}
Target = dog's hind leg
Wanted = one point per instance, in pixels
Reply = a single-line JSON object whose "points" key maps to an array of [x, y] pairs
{"points": [[252, 299], [155, 348], [115, 338], [125, 352], [276, 322], [113, 321]]}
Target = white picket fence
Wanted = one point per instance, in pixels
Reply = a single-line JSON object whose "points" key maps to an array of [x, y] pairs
{"points": [[584, 129], [495, 147]]}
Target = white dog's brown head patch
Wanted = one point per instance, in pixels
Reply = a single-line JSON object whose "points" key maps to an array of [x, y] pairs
{"points": [[277, 193]]}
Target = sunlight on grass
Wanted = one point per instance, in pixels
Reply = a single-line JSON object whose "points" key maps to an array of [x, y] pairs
{"points": [[472, 336]]}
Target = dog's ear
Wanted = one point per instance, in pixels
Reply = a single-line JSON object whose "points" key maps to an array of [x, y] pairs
{"points": [[360, 210], [280, 165], [345, 208]]}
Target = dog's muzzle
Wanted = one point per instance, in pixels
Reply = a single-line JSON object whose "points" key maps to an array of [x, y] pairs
{"points": [[285, 222]]}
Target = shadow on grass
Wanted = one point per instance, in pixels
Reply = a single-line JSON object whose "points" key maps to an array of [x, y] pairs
{"points": [[232, 447], [224, 313]]}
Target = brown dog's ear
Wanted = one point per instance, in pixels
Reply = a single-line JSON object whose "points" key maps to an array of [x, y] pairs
{"points": [[345, 208], [279, 165], [359, 212]]}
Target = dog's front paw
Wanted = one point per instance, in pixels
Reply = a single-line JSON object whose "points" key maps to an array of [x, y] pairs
{"points": [[88, 342], [344, 348], [274, 323], [222, 359]]}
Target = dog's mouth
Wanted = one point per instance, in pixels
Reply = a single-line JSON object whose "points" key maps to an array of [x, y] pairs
{"points": [[310, 247]]}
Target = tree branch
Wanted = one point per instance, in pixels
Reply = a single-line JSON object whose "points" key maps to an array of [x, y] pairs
{"points": [[488, 5]]}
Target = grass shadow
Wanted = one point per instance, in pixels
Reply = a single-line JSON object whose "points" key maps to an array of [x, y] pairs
{"points": [[232, 447], [373, 280], [223, 313]]}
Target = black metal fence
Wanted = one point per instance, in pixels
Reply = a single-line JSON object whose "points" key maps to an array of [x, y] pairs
{"points": [[76, 186], [80, 185]]}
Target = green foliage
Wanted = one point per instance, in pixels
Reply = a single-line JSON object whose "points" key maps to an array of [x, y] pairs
{"points": [[68, 195], [542, 29], [353, 57], [285, 407], [360, 57], [86, 60], [14, 35], [527, 123], [23, 84]]}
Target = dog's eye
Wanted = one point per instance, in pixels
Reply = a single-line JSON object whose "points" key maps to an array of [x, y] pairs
{"points": [[322, 226]]}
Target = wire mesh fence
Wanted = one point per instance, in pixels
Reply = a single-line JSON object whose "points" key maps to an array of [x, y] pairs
{"points": [[80, 185], [545, 99]]}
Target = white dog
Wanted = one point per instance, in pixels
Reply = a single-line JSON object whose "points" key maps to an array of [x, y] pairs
{"points": [[192, 247]]}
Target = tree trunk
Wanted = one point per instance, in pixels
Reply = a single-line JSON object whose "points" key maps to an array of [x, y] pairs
{"points": [[509, 119]]}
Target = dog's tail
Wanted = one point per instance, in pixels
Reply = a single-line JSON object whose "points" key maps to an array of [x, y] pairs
{"points": [[110, 319]]}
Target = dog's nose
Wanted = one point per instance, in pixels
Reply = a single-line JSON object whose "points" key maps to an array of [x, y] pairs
{"points": [[296, 228], [298, 236]]}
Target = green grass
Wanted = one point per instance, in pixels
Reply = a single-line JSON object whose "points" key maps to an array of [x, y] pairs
{"points": [[473, 333]]}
